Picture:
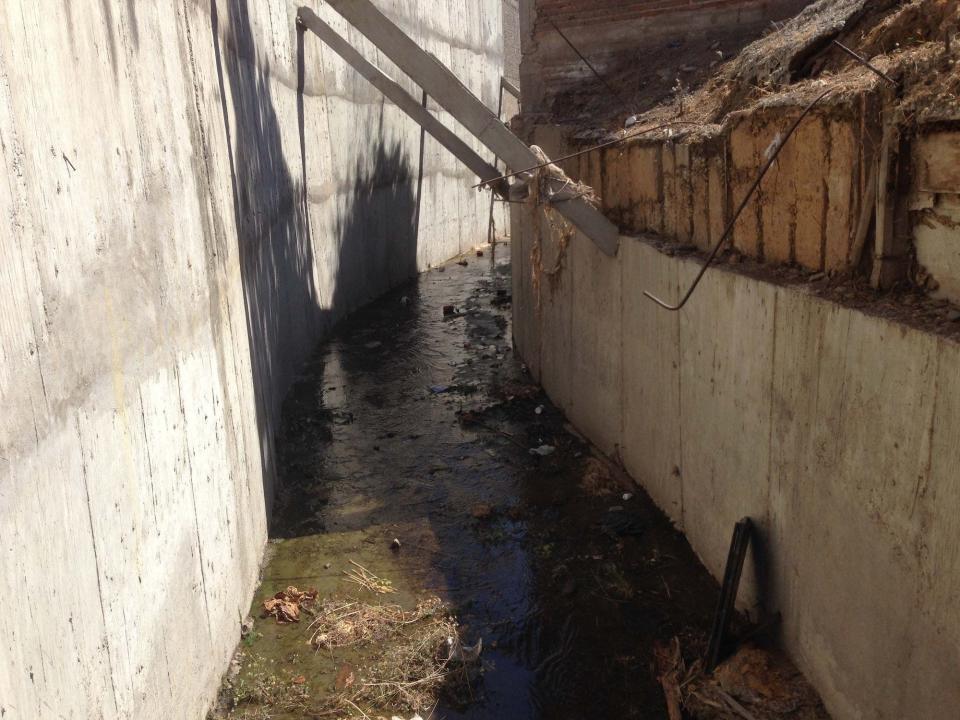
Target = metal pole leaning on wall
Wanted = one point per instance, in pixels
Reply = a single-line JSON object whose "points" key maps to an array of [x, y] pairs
{"points": [[401, 98], [453, 96], [512, 89]]}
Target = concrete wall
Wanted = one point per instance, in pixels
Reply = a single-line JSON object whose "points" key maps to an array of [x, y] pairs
{"points": [[194, 193], [835, 431]]}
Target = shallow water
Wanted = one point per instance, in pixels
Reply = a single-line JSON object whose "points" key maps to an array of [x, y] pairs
{"points": [[568, 595]]}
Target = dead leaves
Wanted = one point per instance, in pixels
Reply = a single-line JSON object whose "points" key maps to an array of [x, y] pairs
{"points": [[287, 605]]}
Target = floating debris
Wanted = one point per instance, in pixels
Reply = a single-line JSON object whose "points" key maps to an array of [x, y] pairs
{"points": [[543, 450]]}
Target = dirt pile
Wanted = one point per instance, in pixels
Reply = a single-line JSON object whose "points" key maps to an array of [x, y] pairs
{"points": [[914, 43]]}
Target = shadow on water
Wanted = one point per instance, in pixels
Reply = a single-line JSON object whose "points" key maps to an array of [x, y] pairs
{"points": [[376, 232]]}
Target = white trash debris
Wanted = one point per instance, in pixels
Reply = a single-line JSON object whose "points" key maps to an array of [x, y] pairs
{"points": [[460, 653], [543, 450], [627, 496]]}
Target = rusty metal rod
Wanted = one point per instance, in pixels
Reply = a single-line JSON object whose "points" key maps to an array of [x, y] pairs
{"points": [[866, 63], [601, 146], [736, 216], [616, 94]]}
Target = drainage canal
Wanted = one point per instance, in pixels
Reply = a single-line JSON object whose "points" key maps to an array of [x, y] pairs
{"points": [[432, 493]]}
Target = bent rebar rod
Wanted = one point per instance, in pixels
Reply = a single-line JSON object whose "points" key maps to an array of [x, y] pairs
{"points": [[866, 63], [736, 216], [610, 89]]}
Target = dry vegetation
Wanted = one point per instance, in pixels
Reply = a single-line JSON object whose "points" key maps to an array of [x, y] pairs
{"points": [[411, 659]]}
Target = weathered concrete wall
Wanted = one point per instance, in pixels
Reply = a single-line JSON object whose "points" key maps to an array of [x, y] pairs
{"points": [[835, 431], [194, 193]]}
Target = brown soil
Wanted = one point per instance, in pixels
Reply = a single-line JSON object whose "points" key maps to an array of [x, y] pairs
{"points": [[915, 43]]}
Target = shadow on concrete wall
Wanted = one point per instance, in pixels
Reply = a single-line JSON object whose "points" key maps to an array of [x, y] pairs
{"points": [[377, 233]]}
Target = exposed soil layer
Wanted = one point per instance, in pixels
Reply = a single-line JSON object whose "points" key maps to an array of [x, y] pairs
{"points": [[415, 424], [915, 43]]}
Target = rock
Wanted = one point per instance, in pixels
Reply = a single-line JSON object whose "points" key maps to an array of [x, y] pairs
{"points": [[482, 511], [627, 497], [326, 566], [246, 627], [479, 253], [462, 654], [395, 545], [463, 263], [449, 310]]}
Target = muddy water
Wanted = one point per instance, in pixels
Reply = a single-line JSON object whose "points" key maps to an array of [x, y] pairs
{"points": [[407, 425]]}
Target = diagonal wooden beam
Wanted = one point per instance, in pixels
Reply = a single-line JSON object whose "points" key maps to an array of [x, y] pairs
{"points": [[401, 98], [452, 95]]}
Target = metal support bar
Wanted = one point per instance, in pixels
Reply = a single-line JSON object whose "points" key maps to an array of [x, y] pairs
{"points": [[728, 593], [451, 94], [510, 87], [491, 227], [401, 98]]}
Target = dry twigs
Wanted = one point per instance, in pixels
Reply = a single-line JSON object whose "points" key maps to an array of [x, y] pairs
{"points": [[366, 579], [415, 667], [343, 624]]}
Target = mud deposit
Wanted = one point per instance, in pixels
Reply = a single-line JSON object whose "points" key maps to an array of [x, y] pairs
{"points": [[417, 426]]}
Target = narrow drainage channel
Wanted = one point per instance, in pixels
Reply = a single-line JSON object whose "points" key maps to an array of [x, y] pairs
{"points": [[416, 424]]}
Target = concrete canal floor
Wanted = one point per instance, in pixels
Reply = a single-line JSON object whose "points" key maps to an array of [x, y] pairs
{"points": [[417, 424]]}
